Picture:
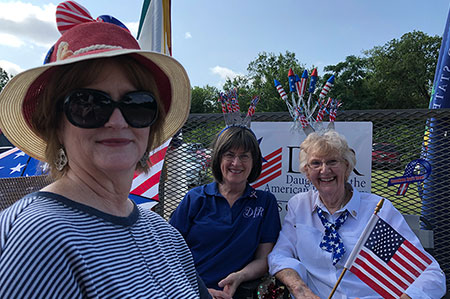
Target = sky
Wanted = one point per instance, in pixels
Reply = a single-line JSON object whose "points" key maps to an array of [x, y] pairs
{"points": [[216, 39]]}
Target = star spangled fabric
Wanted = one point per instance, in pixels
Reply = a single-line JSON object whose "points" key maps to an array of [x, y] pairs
{"points": [[144, 190], [385, 260], [15, 163], [332, 241]]}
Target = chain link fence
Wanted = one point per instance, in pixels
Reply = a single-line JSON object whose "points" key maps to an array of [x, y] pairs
{"points": [[399, 137]]}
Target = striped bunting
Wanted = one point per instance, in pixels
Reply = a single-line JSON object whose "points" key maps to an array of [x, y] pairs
{"points": [[145, 187], [271, 169]]}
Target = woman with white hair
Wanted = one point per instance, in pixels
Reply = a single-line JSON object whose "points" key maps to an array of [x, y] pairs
{"points": [[322, 227]]}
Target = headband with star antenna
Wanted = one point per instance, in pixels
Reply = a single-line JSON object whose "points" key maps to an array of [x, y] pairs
{"points": [[308, 113], [231, 110]]}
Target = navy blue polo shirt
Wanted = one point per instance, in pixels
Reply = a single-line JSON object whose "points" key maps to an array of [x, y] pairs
{"points": [[224, 239]]}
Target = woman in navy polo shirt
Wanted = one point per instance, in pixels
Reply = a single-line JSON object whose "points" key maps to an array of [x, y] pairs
{"points": [[229, 226]]}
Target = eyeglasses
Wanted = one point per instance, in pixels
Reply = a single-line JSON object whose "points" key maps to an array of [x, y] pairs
{"points": [[229, 156], [316, 164], [90, 108]]}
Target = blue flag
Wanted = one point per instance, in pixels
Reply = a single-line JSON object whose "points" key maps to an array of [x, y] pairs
{"points": [[15, 163], [440, 95]]}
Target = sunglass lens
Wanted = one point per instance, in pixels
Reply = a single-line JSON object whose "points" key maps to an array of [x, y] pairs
{"points": [[139, 109], [88, 108]]}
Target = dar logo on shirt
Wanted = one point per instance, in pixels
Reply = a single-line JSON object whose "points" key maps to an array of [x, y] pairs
{"points": [[253, 213]]}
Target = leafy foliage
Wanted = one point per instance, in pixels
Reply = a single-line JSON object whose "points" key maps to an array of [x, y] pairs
{"points": [[403, 70], [396, 75], [262, 72], [351, 86], [4, 78], [204, 99]]}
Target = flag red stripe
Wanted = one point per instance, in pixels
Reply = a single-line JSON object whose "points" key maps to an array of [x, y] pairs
{"points": [[403, 261], [268, 179], [271, 155], [388, 272], [72, 18], [147, 184], [400, 271], [154, 159], [419, 253], [413, 258], [372, 284], [269, 171], [271, 162], [158, 156]]}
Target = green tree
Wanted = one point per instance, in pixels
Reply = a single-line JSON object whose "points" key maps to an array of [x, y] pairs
{"points": [[245, 91], [4, 78], [351, 86], [204, 99], [403, 70], [397, 75], [261, 74]]}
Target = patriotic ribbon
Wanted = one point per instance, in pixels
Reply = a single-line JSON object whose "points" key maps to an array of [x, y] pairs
{"points": [[410, 177]]}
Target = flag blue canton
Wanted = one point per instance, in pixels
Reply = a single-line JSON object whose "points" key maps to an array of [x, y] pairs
{"points": [[15, 163], [384, 241]]}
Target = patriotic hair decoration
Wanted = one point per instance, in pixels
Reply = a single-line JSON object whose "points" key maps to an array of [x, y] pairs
{"points": [[308, 113], [231, 110]]}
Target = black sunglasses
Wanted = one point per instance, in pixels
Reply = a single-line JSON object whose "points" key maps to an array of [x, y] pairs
{"points": [[90, 108]]}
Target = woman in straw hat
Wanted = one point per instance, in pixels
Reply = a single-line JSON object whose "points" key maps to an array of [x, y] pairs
{"points": [[93, 112]]}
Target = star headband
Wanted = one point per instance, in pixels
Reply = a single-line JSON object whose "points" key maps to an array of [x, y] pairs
{"points": [[231, 110], [308, 113]]}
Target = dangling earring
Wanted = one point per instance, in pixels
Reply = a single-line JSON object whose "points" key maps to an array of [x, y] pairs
{"points": [[61, 159], [144, 159]]}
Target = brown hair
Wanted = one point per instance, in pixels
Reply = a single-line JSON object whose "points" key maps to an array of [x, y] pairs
{"points": [[48, 116], [236, 138]]}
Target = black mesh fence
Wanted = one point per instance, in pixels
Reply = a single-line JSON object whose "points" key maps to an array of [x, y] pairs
{"points": [[399, 137]]}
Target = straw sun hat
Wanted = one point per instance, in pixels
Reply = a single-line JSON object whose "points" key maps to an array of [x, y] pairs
{"points": [[89, 39]]}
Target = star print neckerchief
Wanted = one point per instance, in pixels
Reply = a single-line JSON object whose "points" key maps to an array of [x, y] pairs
{"points": [[331, 241]]}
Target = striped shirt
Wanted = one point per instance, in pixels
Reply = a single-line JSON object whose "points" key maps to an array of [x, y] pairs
{"points": [[52, 247]]}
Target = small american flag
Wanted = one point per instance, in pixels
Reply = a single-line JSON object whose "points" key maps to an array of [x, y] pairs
{"points": [[385, 260]]}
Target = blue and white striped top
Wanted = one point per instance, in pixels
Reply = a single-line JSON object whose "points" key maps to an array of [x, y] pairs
{"points": [[52, 247]]}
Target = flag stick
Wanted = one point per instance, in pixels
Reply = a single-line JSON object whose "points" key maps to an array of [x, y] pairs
{"points": [[377, 209]]}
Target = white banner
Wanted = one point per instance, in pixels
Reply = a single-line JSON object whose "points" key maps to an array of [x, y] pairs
{"points": [[281, 147]]}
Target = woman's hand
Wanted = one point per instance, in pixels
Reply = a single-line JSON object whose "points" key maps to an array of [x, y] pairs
{"points": [[231, 283], [217, 294]]}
